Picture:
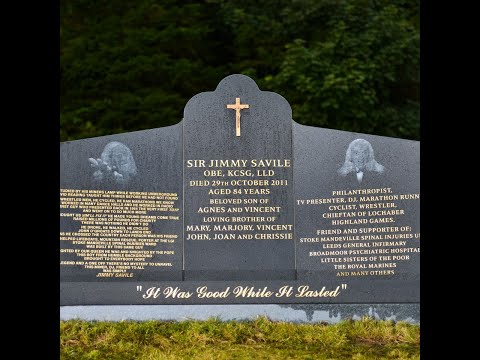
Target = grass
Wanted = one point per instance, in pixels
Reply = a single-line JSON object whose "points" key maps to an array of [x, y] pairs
{"points": [[258, 339]]}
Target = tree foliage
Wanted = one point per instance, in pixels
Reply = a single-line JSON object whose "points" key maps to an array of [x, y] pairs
{"points": [[343, 64]]}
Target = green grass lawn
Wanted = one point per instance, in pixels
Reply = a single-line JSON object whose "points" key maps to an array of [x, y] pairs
{"points": [[259, 339]]}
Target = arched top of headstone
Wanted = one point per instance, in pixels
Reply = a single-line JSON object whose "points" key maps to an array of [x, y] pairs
{"points": [[237, 81], [238, 119], [246, 89]]}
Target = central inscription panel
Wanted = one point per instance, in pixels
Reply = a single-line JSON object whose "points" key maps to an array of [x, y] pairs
{"points": [[238, 186]]}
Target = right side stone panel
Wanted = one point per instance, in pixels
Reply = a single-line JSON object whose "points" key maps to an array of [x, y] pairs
{"points": [[357, 211]]}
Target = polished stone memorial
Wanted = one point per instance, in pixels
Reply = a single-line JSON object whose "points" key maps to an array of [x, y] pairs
{"points": [[239, 204]]}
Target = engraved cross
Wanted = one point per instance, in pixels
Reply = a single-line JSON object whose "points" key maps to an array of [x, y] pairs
{"points": [[237, 107]]}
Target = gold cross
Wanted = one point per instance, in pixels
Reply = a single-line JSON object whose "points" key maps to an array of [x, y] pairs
{"points": [[237, 107]]}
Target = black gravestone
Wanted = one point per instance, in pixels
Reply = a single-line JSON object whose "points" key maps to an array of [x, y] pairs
{"points": [[239, 204]]}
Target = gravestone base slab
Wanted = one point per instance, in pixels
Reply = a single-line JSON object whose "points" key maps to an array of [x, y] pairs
{"points": [[297, 313]]}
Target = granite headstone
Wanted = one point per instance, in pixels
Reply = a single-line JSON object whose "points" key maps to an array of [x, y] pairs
{"points": [[239, 204]]}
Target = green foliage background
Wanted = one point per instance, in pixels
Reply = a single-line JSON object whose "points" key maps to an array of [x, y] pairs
{"points": [[342, 64]]}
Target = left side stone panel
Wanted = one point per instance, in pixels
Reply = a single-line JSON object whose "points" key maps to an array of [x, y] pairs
{"points": [[121, 208]]}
